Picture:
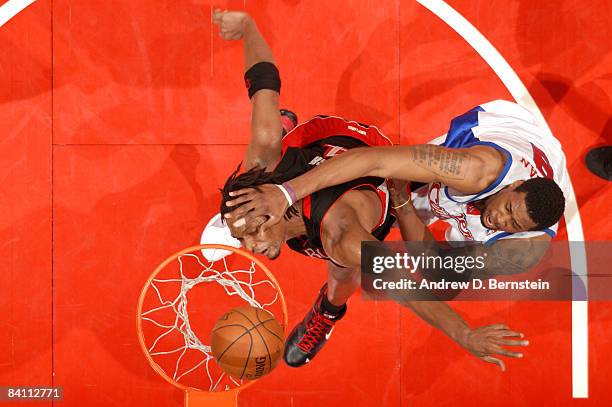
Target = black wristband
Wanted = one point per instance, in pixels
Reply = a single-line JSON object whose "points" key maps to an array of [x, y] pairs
{"points": [[262, 75]]}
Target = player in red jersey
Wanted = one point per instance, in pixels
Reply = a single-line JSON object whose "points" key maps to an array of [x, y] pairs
{"points": [[330, 224]]}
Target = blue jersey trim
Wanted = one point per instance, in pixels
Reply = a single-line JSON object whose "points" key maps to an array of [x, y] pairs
{"points": [[505, 234], [496, 238], [495, 183], [460, 135]]}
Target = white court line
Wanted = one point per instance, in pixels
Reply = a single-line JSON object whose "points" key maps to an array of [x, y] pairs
{"points": [[212, 29], [11, 8], [580, 323]]}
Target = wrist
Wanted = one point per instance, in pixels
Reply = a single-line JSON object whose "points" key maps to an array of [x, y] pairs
{"points": [[288, 193], [303, 188], [247, 22], [405, 206], [291, 192], [462, 336]]}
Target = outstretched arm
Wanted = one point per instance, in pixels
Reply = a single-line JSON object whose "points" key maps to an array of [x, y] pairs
{"points": [[264, 149], [342, 236], [468, 170]]}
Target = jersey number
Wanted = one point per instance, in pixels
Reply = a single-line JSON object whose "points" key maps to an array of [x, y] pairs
{"points": [[541, 162]]}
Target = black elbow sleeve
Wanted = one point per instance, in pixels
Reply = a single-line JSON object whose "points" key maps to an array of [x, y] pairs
{"points": [[262, 75]]}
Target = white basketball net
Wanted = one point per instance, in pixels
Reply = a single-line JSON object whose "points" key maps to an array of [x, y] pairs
{"points": [[235, 283]]}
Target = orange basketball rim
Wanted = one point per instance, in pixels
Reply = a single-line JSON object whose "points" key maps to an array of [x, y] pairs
{"points": [[241, 282]]}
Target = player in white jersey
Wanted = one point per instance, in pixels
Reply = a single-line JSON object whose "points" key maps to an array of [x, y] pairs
{"points": [[496, 175], [530, 152]]}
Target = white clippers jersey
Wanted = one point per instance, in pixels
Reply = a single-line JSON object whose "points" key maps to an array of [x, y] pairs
{"points": [[530, 151]]}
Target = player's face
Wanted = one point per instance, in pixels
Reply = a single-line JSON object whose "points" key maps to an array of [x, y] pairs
{"points": [[507, 211], [266, 242]]}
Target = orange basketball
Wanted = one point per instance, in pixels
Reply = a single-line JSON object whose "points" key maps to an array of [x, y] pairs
{"points": [[247, 342]]}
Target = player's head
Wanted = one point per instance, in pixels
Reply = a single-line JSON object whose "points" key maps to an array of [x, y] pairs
{"points": [[535, 204], [268, 242]]}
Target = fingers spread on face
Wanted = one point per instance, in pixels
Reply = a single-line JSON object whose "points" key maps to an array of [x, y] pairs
{"points": [[242, 199], [253, 225], [247, 220], [242, 227], [270, 221], [240, 223], [248, 215], [239, 212], [243, 191]]}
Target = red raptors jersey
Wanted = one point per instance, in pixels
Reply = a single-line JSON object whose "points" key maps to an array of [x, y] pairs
{"points": [[310, 144]]}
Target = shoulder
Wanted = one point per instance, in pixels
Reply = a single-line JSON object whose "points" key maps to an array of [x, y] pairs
{"points": [[487, 164]]}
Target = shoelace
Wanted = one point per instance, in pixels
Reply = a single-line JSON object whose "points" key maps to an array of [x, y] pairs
{"points": [[316, 329]]}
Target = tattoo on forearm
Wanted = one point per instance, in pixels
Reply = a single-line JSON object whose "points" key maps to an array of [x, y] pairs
{"points": [[443, 162]]}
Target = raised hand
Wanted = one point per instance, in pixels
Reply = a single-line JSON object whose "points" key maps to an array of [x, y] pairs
{"points": [[231, 23]]}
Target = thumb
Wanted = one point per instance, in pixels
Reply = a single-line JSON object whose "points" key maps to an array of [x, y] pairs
{"points": [[495, 361]]}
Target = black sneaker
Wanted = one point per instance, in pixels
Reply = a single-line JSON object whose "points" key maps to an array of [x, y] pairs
{"points": [[289, 120], [599, 162], [309, 336]]}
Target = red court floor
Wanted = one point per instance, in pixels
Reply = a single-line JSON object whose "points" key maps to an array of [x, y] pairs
{"points": [[119, 121]]}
